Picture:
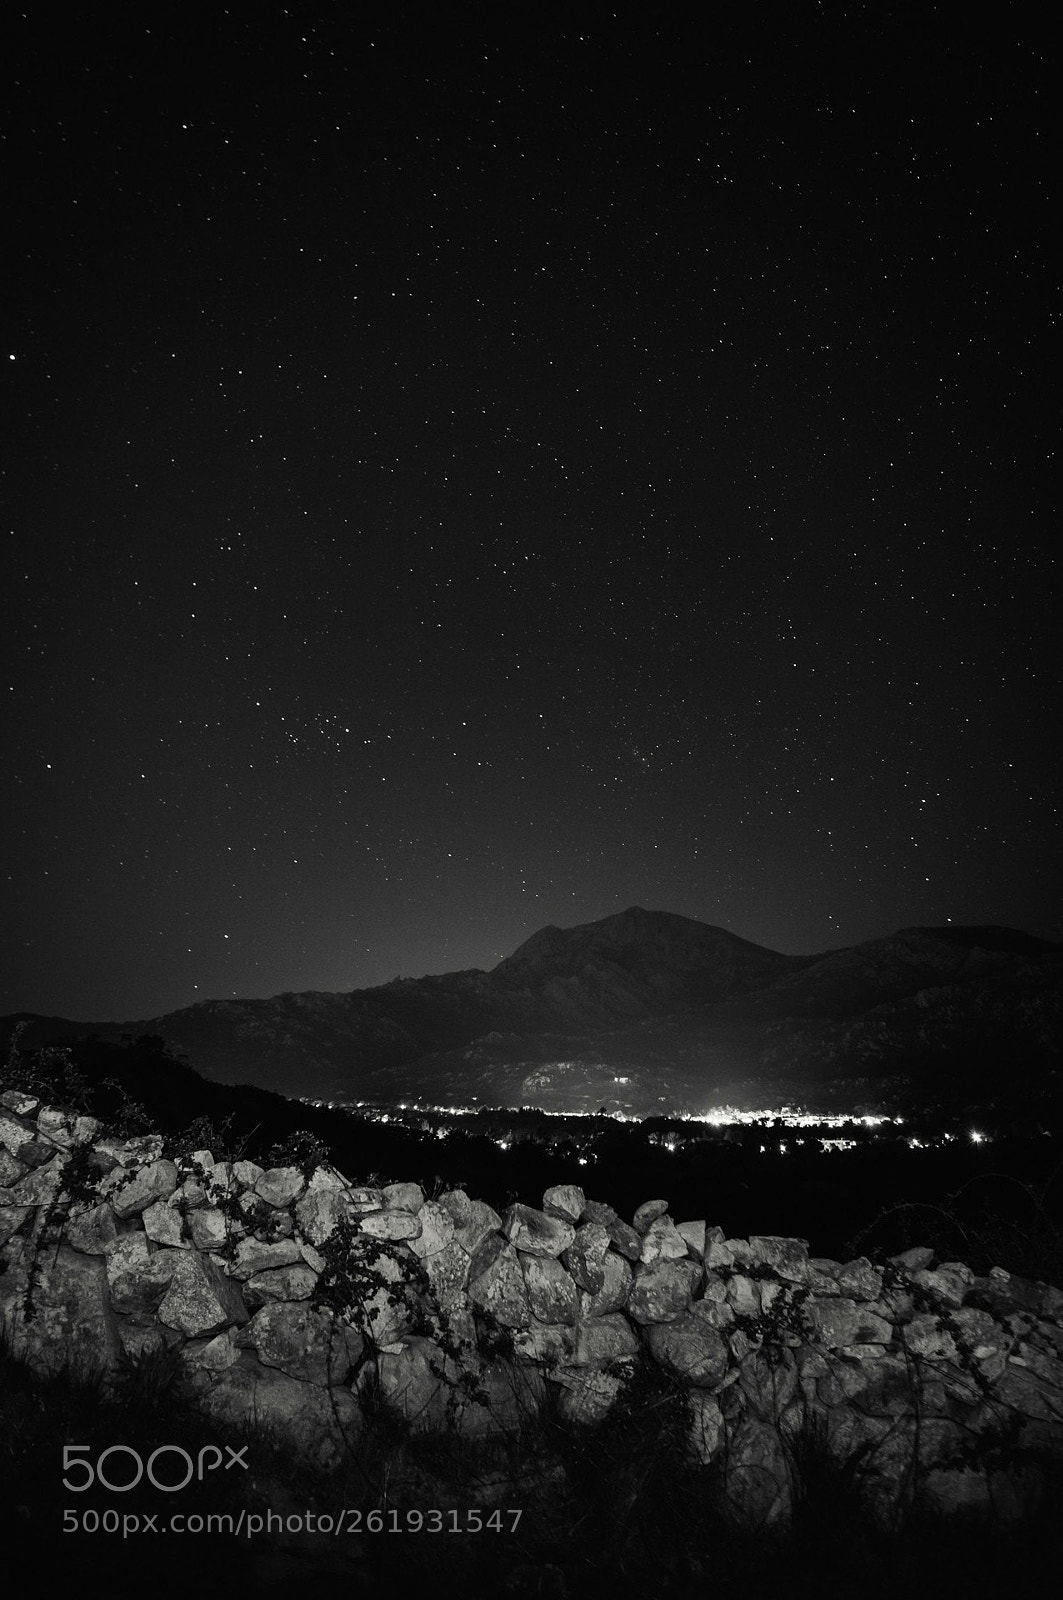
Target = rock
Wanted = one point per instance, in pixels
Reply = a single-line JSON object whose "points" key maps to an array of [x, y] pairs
{"points": [[474, 1220], [318, 1425], [786, 1257], [362, 1200], [536, 1234], [307, 1342], [693, 1234], [552, 1294], [10, 1169], [254, 1255], [607, 1338], [648, 1212], [615, 1290], [546, 1342], [946, 1285], [403, 1197], [838, 1322], [130, 1196], [757, 1475], [213, 1355], [662, 1242], [588, 1397], [662, 1290], [859, 1280], [211, 1228], [585, 1256], [690, 1349], [164, 1224], [706, 1430], [279, 1186], [138, 1152], [321, 1207], [14, 1134], [92, 1231], [138, 1285], [296, 1282], [12, 1215], [743, 1295], [72, 1320], [22, 1105], [200, 1301], [566, 1201], [247, 1173], [36, 1153], [437, 1230], [913, 1260], [502, 1290], [392, 1225], [418, 1383]]}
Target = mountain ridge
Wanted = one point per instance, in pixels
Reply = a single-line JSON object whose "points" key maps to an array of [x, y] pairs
{"points": [[686, 1009]]}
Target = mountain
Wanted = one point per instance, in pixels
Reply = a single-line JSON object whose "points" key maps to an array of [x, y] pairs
{"points": [[647, 1011]]}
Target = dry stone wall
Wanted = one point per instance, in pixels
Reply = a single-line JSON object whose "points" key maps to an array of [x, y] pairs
{"points": [[294, 1296]]}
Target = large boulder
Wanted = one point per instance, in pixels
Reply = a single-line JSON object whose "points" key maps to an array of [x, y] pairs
{"points": [[60, 1313], [318, 1425], [200, 1300], [307, 1342]]}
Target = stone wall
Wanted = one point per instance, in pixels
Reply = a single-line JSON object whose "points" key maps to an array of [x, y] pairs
{"points": [[296, 1296]]}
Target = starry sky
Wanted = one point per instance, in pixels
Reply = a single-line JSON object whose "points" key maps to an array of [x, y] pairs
{"points": [[469, 475]]}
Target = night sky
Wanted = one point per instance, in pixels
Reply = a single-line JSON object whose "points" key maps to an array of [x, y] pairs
{"points": [[462, 480]]}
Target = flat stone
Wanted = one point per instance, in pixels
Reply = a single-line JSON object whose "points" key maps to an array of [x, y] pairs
{"points": [[296, 1282], [564, 1200], [22, 1105], [155, 1181], [838, 1322], [253, 1255], [536, 1234], [391, 1225], [437, 1230], [786, 1257]]}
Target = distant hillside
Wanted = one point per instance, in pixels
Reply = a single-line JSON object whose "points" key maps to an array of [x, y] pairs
{"points": [[647, 1011]]}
